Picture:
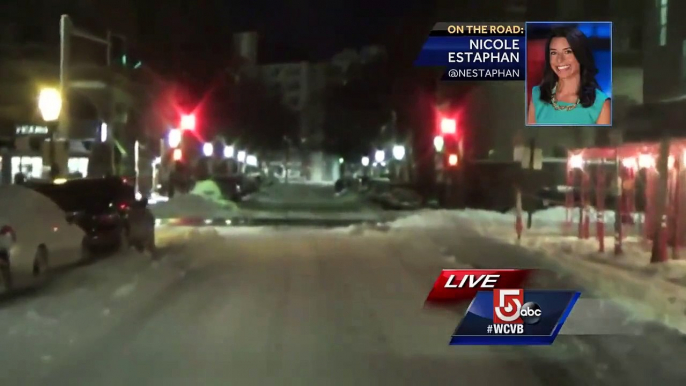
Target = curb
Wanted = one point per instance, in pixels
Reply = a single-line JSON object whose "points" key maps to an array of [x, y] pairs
{"points": [[264, 222], [196, 221]]}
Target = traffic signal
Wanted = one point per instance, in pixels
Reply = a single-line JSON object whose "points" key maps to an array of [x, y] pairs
{"points": [[177, 155], [448, 126], [188, 122], [452, 160]]}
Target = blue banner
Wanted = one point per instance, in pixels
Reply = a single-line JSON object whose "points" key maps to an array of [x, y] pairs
{"points": [[538, 319], [476, 52]]}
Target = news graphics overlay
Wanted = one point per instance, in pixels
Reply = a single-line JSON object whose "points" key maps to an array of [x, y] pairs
{"points": [[475, 51], [515, 317], [462, 285], [568, 74]]}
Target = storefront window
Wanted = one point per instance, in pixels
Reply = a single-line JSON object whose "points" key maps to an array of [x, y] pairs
{"points": [[30, 167], [78, 165]]}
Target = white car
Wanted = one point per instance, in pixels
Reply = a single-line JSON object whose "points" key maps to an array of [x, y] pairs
{"points": [[34, 235]]}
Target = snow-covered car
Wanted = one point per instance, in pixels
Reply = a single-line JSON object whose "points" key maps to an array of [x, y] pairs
{"points": [[34, 229]]}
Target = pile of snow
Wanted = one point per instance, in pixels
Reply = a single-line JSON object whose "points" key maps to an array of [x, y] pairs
{"points": [[204, 201], [648, 291]]}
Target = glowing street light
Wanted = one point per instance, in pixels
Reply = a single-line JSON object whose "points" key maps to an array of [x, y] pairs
{"points": [[103, 132], [365, 161], [399, 152], [229, 151], [576, 161], [50, 104], [439, 142], [251, 160], [452, 159], [207, 149], [174, 138], [241, 156], [379, 156]]}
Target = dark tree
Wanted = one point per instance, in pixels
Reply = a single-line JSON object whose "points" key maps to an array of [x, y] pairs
{"points": [[356, 109], [260, 119]]}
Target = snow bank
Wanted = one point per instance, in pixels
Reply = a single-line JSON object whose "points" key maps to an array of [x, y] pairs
{"points": [[204, 201], [648, 291]]}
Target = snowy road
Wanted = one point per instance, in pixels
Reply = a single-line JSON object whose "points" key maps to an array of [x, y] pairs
{"points": [[305, 197], [297, 307]]}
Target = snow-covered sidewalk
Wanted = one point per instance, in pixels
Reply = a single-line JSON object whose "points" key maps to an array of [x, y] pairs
{"points": [[648, 291]]}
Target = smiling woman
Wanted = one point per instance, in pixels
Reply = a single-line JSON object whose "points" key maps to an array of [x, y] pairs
{"points": [[569, 93]]}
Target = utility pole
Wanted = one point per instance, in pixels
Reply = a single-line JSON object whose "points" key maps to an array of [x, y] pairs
{"points": [[65, 35], [67, 31]]}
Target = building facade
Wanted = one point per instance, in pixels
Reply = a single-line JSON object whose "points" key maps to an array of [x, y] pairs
{"points": [[301, 85]]}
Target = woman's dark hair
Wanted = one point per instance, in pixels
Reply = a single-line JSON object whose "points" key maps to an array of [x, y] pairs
{"points": [[584, 55]]}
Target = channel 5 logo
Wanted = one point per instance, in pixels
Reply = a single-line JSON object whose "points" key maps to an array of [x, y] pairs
{"points": [[509, 308]]}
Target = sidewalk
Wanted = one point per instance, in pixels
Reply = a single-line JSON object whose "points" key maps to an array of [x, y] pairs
{"points": [[648, 291]]}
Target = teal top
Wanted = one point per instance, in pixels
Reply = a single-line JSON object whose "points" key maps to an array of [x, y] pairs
{"points": [[579, 116]]}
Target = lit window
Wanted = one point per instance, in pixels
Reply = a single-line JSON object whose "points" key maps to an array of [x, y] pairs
{"points": [[663, 21]]}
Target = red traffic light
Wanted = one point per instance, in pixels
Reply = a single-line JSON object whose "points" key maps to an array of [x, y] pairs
{"points": [[448, 126], [188, 122], [177, 155], [452, 159]]}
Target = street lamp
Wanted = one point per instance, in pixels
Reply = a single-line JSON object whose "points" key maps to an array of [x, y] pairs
{"points": [[379, 156], [439, 142], [365, 161], [399, 152], [174, 138], [207, 149], [228, 151], [103, 132], [50, 106]]}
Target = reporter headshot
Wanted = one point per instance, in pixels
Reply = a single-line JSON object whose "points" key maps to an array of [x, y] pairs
{"points": [[569, 93]]}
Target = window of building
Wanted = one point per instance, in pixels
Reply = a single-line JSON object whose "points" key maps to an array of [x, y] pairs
{"points": [[663, 21]]}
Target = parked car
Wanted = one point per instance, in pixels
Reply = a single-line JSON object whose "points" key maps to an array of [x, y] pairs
{"points": [[107, 210], [34, 236]]}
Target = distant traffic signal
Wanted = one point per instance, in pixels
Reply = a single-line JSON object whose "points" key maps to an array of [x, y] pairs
{"points": [[448, 126], [188, 122]]}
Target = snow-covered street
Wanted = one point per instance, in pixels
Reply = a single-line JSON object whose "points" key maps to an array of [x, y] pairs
{"points": [[302, 306], [273, 205]]}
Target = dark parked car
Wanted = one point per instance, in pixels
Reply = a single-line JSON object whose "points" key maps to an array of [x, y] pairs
{"points": [[107, 211]]}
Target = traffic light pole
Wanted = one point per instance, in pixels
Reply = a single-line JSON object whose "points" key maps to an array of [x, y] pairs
{"points": [[67, 31]]}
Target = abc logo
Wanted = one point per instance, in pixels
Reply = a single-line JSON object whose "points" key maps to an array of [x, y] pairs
{"points": [[531, 313]]}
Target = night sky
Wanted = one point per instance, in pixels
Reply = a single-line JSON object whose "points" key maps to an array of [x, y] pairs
{"points": [[189, 42], [186, 34]]}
